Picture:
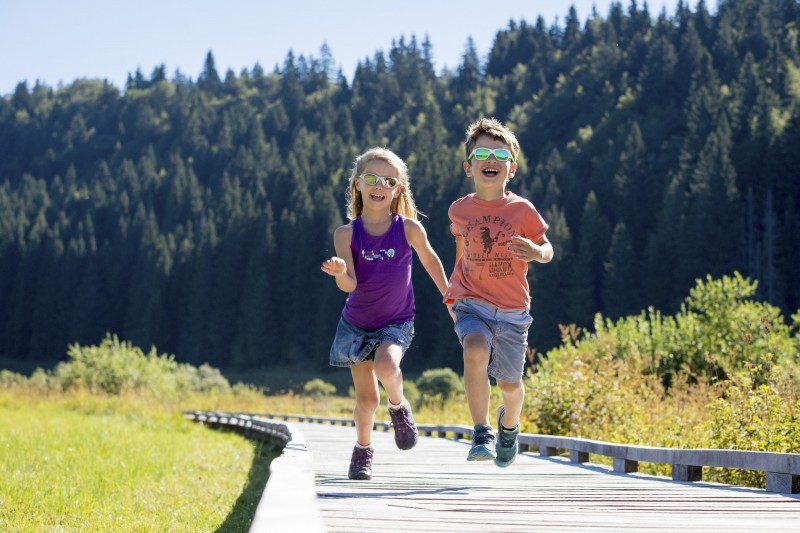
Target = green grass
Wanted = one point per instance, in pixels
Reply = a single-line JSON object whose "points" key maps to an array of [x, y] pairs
{"points": [[83, 463]]}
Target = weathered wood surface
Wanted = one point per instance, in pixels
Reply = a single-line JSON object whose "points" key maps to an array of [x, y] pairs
{"points": [[434, 488]]}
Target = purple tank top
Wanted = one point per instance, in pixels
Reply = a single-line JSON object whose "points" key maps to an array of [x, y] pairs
{"points": [[383, 293]]}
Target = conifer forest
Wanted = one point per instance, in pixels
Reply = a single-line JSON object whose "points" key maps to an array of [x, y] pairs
{"points": [[194, 214]]}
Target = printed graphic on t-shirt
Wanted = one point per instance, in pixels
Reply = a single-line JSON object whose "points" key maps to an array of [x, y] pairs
{"points": [[377, 255], [486, 241]]}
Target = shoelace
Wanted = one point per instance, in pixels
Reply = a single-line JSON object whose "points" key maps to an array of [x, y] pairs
{"points": [[401, 419], [483, 437], [363, 458]]}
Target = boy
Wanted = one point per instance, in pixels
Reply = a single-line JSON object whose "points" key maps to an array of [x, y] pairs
{"points": [[497, 234]]}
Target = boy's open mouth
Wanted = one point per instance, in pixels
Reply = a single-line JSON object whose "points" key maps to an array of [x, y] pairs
{"points": [[491, 172]]}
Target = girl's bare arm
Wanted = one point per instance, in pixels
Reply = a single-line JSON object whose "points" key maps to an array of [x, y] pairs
{"points": [[341, 265]]}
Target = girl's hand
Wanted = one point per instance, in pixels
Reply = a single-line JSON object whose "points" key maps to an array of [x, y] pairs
{"points": [[335, 266]]}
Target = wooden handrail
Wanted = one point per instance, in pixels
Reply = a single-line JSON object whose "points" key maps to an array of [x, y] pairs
{"points": [[782, 469]]}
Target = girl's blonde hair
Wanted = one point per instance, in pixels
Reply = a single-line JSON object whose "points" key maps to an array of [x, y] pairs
{"points": [[403, 204]]}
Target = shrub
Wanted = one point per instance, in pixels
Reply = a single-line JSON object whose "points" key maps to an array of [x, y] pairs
{"points": [[319, 388], [114, 366], [441, 383], [411, 392], [751, 416], [722, 373], [8, 378]]}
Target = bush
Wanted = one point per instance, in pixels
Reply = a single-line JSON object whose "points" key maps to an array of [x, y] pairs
{"points": [[441, 383], [722, 373], [318, 388], [8, 378], [751, 416], [115, 366], [411, 392]]}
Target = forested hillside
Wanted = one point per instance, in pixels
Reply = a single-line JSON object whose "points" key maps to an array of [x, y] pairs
{"points": [[194, 214]]}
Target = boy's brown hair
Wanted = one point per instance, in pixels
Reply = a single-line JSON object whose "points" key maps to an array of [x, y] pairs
{"points": [[494, 129]]}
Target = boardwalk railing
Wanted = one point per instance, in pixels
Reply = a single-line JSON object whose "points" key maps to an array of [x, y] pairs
{"points": [[782, 469]]}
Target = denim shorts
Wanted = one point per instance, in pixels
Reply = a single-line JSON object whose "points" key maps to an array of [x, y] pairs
{"points": [[506, 332], [353, 345]]}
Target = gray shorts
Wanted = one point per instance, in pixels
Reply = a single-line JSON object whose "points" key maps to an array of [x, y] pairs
{"points": [[506, 332], [353, 345]]}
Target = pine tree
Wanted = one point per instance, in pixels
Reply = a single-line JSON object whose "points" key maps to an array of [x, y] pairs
{"points": [[621, 287], [209, 80]]}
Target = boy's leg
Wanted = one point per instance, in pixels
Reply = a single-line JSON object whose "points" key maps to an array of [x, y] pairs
{"points": [[508, 422], [513, 396], [507, 367], [478, 389], [476, 381]]}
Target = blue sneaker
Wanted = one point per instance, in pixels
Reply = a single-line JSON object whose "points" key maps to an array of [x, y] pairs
{"points": [[507, 445], [483, 442]]}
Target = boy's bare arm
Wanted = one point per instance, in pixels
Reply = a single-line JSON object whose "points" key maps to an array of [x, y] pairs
{"points": [[527, 250]]}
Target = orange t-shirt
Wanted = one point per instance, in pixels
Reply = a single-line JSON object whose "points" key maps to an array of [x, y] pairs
{"points": [[487, 269]]}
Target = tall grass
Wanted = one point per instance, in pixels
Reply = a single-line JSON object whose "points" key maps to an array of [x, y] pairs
{"points": [[85, 447]]}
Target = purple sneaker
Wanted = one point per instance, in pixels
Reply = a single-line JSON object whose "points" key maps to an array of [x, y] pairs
{"points": [[405, 430], [361, 463]]}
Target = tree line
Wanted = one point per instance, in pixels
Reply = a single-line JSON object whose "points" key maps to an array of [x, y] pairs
{"points": [[193, 215]]}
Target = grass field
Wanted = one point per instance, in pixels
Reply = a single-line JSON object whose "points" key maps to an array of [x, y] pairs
{"points": [[78, 462]]}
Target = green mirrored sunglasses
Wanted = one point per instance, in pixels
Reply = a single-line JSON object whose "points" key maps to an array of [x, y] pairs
{"points": [[482, 154]]}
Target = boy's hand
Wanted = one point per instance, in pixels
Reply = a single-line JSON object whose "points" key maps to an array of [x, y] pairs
{"points": [[335, 266], [524, 249]]}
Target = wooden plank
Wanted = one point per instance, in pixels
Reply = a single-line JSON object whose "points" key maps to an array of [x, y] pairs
{"points": [[433, 488]]}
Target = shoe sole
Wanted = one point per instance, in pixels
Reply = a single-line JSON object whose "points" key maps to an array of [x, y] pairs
{"points": [[502, 463], [361, 477], [481, 454], [404, 443]]}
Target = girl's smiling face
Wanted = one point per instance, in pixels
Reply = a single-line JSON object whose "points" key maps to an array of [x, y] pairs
{"points": [[490, 176], [378, 196]]}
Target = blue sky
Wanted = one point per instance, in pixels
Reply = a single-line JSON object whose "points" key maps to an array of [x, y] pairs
{"points": [[57, 41]]}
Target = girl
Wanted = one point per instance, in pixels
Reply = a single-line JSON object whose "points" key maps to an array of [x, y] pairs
{"points": [[373, 265]]}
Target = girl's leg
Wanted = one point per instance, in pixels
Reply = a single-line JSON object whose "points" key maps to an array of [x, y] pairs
{"points": [[513, 395], [387, 370], [476, 381], [367, 400]]}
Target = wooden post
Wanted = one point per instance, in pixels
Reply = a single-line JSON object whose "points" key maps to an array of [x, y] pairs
{"points": [[578, 457], [547, 451], [687, 473], [625, 466], [783, 483]]}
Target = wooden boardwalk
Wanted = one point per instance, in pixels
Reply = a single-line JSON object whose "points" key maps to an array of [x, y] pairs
{"points": [[434, 488]]}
